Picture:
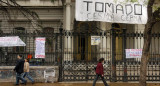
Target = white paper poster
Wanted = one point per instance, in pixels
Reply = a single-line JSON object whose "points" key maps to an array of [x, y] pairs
{"points": [[11, 41], [117, 11], [95, 40], [40, 47], [133, 53]]}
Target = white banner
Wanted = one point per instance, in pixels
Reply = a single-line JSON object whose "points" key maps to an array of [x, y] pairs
{"points": [[40, 47], [117, 11], [133, 53], [95, 40], [11, 41]]}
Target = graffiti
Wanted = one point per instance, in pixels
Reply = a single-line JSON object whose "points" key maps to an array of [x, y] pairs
{"points": [[4, 74], [10, 75]]}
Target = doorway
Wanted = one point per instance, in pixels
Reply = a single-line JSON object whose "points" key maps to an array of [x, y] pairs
{"points": [[118, 40], [82, 42]]}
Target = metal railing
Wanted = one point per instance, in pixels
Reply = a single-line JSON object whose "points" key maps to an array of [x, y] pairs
{"points": [[76, 57]]}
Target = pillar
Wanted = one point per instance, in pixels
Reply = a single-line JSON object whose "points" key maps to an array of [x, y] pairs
{"points": [[68, 43], [139, 40], [103, 47]]}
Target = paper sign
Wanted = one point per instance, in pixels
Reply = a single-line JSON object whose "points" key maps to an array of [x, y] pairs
{"points": [[95, 40], [40, 47], [133, 53]]}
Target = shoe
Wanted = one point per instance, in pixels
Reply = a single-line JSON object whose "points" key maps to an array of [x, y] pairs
{"points": [[24, 83], [33, 82], [16, 84]]}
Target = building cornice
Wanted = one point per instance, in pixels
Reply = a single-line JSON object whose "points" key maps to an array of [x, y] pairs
{"points": [[42, 7]]}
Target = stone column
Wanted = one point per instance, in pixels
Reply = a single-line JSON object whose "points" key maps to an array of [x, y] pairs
{"points": [[68, 43], [139, 41], [103, 47]]}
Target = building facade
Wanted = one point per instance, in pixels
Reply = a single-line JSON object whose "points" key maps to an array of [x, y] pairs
{"points": [[75, 43]]}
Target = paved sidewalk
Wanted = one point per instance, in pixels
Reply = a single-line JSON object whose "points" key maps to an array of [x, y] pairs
{"points": [[78, 84]]}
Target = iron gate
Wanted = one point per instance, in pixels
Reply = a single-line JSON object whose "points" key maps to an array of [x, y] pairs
{"points": [[8, 55], [76, 57], [117, 66], [79, 62]]}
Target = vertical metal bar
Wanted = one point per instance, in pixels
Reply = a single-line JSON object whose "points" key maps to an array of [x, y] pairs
{"points": [[61, 52], [113, 56], [6, 56], [124, 55], [34, 43], [157, 58], [87, 60], [71, 54], [1, 53], [67, 57], [56, 50], [101, 52]]}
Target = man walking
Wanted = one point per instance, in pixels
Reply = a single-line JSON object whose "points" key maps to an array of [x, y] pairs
{"points": [[19, 68]]}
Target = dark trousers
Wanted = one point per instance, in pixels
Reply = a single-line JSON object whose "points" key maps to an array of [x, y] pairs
{"points": [[96, 78], [19, 77]]}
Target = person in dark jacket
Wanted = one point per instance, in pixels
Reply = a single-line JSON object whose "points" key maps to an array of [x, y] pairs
{"points": [[99, 72], [19, 68]]}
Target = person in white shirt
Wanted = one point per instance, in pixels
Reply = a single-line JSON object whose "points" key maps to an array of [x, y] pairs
{"points": [[26, 71]]}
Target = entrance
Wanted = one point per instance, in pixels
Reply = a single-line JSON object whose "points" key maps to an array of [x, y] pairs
{"points": [[82, 40], [82, 43], [118, 41]]}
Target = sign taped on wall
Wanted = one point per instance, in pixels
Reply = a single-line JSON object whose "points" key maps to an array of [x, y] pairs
{"points": [[95, 40], [40, 47], [133, 53], [117, 11]]}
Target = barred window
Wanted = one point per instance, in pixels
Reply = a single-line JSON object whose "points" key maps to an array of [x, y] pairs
{"points": [[49, 40], [20, 31]]}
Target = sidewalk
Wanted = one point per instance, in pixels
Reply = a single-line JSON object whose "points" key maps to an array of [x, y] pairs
{"points": [[78, 84]]}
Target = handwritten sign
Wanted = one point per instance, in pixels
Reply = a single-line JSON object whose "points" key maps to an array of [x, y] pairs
{"points": [[40, 47], [117, 11], [133, 53], [11, 41], [95, 40]]}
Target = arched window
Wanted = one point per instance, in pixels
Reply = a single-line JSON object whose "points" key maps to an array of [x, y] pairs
{"points": [[49, 39], [118, 40], [48, 30], [19, 32], [115, 25]]}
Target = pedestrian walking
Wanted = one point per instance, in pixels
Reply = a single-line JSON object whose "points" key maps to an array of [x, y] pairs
{"points": [[19, 70], [26, 71], [99, 72]]}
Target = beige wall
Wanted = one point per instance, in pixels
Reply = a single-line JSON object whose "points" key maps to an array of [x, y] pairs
{"points": [[39, 2], [48, 17]]}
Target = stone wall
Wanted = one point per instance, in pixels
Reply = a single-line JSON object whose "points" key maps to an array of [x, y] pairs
{"points": [[37, 72]]}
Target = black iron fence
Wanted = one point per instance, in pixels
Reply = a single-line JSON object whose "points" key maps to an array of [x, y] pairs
{"points": [[76, 56], [8, 56], [81, 55]]}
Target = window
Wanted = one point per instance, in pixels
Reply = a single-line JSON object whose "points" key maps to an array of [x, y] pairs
{"points": [[19, 32], [50, 39]]}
